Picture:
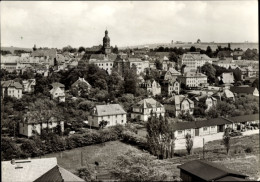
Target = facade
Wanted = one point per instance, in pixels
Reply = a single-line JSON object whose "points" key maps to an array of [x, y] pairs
{"points": [[170, 74], [152, 87], [28, 85], [178, 104], [81, 81], [227, 78], [237, 55], [112, 113], [193, 79], [140, 64], [103, 61], [226, 64], [143, 109], [194, 60], [224, 94], [12, 89], [206, 99], [170, 88], [31, 125]]}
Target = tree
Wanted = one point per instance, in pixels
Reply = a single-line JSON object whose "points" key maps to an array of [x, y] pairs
{"points": [[209, 52], [192, 49], [115, 50], [130, 81], [189, 143], [136, 167], [81, 49], [186, 116], [210, 71], [173, 57], [158, 64], [86, 173], [103, 124], [256, 83], [226, 139]]}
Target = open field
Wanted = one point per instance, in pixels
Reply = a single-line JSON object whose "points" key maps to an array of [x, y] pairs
{"points": [[106, 154]]}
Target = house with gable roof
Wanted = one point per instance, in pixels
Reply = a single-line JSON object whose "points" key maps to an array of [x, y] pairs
{"points": [[112, 113], [81, 81], [11, 88], [205, 99], [194, 60], [152, 87], [193, 79], [224, 94], [28, 85], [143, 109], [58, 92], [178, 104], [170, 87]]}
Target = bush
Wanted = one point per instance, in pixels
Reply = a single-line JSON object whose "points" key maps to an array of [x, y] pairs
{"points": [[235, 133], [249, 149], [238, 150], [134, 139]]}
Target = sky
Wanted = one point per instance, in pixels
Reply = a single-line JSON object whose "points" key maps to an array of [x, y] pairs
{"points": [[80, 23]]}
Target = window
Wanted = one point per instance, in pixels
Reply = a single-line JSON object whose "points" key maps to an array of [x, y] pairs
{"points": [[108, 117], [122, 121], [107, 64], [205, 129], [212, 127], [179, 132]]}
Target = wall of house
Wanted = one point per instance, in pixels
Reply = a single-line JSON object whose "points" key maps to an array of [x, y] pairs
{"points": [[112, 120], [207, 130], [179, 134], [13, 92]]}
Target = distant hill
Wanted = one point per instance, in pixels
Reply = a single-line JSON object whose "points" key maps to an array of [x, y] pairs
{"points": [[244, 46], [12, 49]]}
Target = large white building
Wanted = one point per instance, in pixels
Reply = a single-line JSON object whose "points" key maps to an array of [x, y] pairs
{"points": [[112, 113], [103, 61], [193, 79], [194, 60], [139, 63]]}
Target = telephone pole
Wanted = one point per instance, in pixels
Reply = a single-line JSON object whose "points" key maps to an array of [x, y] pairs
{"points": [[203, 149]]}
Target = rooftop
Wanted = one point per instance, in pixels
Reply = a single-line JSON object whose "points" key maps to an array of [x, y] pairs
{"points": [[109, 109]]}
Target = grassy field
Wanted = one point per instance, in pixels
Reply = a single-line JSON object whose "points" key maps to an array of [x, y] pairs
{"points": [[106, 154]]}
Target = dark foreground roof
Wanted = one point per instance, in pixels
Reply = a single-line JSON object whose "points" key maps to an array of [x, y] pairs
{"points": [[209, 171], [58, 174], [246, 90]]}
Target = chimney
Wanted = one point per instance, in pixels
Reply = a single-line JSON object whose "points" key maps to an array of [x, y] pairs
{"points": [[13, 161]]}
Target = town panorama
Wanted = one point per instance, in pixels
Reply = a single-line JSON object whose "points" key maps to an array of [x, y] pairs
{"points": [[177, 111]]}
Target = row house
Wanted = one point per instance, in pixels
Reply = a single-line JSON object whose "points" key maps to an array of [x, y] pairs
{"points": [[105, 62], [11, 88], [28, 85], [112, 113], [170, 88], [178, 104], [194, 60], [152, 87], [193, 79], [58, 92], [147, 107]]}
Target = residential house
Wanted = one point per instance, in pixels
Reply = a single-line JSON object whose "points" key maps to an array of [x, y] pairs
{"points": [[193, 79], [12, 89], [147, 107], [140, 64], [225, 55], [31, 124], [9, 62], [81, 81], [237, 55], [152, 87], [224, 94], [36, 170], [170, 74], [226, 78], [202, 170], [28, 85], [194, 60], [166, 64], [206, 100], [245, 91], [49, 54], [112, 113], [170, 88], [58, 92], [226, 64], [178, 104]]}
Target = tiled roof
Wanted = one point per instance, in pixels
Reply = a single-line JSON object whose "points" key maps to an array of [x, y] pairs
{"points": [[11, 83], [148, 103], [58, 174], [247, 90], [57, 84], [177, 99], [110, 109], [224, 54], [57, 89], [103, 57], [195, 56], [174, 71], [80, 80], [238, 53], [26, 170], [41, 53], [208, 171]]}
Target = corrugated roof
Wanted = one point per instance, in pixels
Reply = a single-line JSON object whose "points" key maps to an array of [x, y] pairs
{"points": [[58, 174], [28, 170], [110, 109], [208, 171]]}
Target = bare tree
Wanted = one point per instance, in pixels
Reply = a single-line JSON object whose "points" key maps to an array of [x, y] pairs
{"points": [[189, 143], [226, 139]]}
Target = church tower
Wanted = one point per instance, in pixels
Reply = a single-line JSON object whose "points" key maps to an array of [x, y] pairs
{"points": [[106, 44]]}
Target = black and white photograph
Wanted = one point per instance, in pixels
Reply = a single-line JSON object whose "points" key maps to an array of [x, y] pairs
{"points": [[129, 91]]}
